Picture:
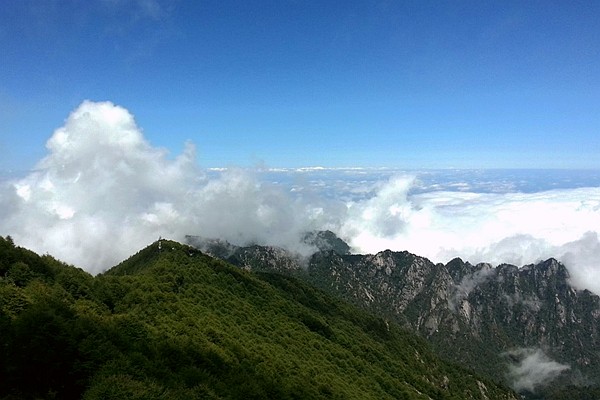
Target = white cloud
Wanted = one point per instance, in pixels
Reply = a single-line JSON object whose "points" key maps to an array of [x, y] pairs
{"points": [[532, 368], [103, 192], [516, 228]]}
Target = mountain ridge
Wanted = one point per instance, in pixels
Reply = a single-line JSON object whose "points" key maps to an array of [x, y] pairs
{"points": [[473, 314], [171, 322]]}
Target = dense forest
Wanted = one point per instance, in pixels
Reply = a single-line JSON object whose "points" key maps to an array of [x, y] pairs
{"points": [[173, 323]]}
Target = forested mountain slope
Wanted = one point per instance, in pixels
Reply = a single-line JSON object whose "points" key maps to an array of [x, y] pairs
{"points": [[527, 325], [173, 323]]}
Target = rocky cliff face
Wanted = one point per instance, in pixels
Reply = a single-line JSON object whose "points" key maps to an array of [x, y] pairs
{"points": [[526, 325], [474, 313]]}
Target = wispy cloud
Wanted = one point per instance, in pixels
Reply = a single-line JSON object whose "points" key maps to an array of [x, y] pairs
{"points": [[529, 369], [468, 283]]}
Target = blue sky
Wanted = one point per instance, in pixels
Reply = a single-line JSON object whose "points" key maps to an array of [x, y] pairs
{"points": [[407, 84]]}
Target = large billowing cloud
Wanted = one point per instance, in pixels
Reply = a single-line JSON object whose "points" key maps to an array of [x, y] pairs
{"points": [[103, 192]]}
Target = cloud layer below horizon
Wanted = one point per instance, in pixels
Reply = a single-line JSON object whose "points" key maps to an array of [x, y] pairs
{"points": [[103, 192]]}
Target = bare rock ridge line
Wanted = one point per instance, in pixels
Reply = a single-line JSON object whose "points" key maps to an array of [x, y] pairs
{"points": [[490, 319]]}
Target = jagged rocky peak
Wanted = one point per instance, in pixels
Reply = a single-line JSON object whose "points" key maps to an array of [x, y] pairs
{"points": [[400, 261], [550, 272], [457, 269], [326, 241], [547, 269], [545, 278], [508, 269], [250, 257], [218, 248], [270, 258], [319, 240], [470, 313]]}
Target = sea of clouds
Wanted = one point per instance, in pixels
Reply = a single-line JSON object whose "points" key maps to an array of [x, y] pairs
{"points": [[103, 192]]}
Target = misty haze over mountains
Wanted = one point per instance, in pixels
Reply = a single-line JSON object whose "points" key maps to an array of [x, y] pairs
{"points": [[103, 191]]}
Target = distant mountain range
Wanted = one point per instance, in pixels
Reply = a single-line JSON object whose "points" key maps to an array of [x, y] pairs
{"points": [[527, 326]]}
